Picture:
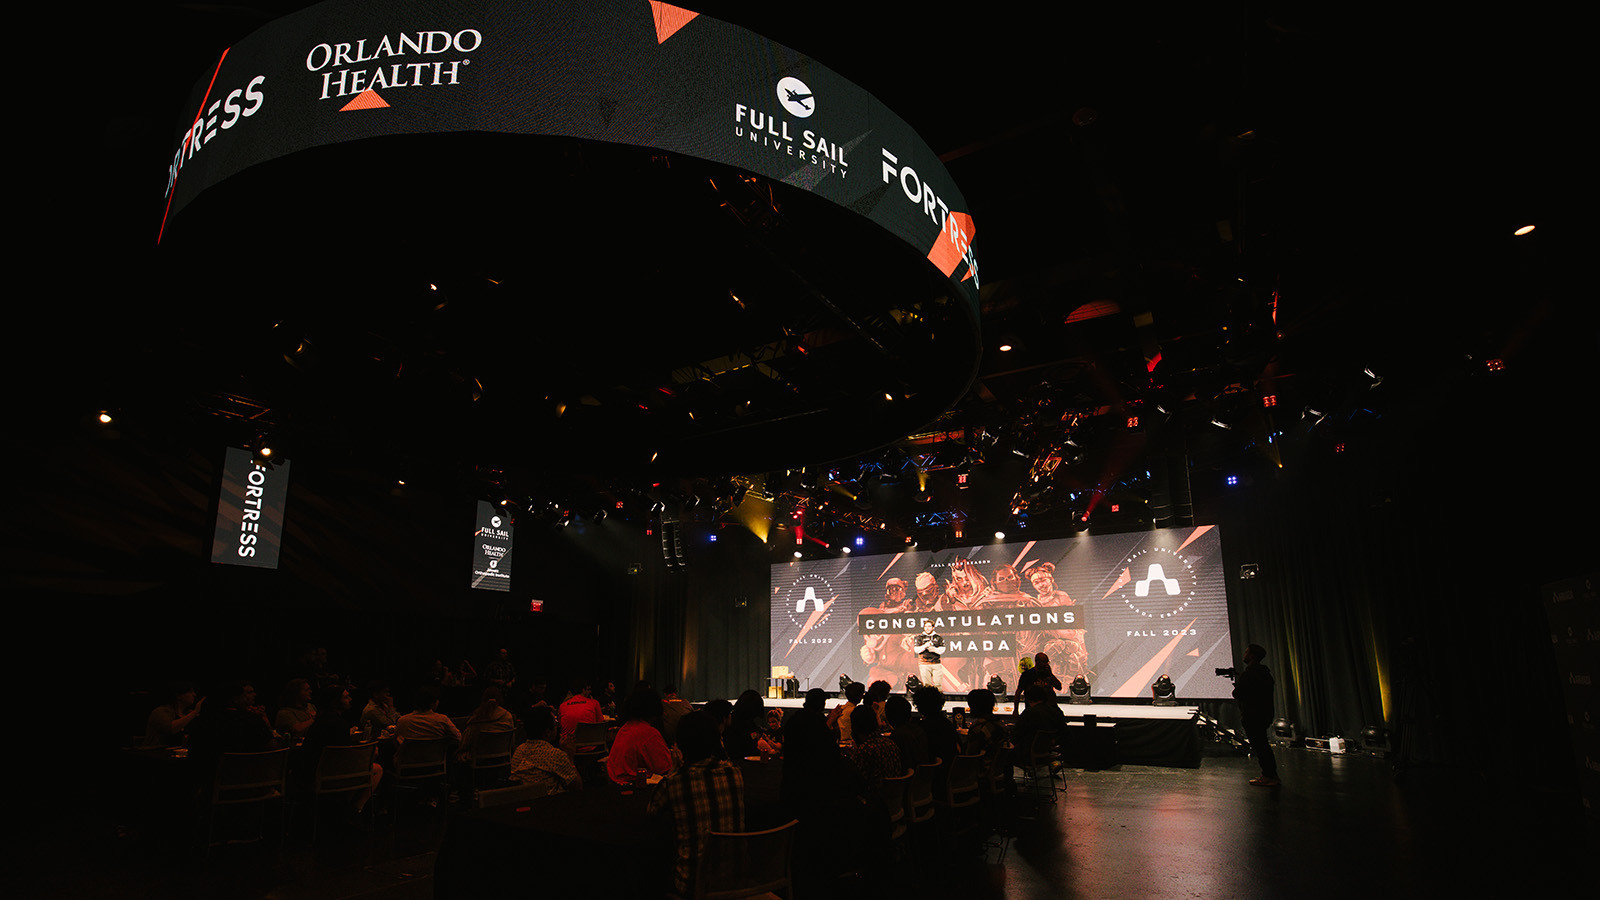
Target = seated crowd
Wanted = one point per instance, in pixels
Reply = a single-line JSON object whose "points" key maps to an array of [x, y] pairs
{"points": [[834, 762]]}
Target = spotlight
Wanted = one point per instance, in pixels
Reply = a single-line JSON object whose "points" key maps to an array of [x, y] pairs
{"points": [[1282, 733], [913, 684], [105, 417], [999, 535], [860, 541], [1375, 741], [1078, 691], [996, 686], [797, 554], [845, 550], [1164, 692], [844, 683]]}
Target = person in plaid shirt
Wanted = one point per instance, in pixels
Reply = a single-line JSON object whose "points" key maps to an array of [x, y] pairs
{"points": [[705, 794]]}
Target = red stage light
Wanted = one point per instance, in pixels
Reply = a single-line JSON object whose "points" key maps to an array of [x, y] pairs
{"points": [[1116, 507], [1133, 421], [1339, 447], [1269, 400], [1495, 365]]}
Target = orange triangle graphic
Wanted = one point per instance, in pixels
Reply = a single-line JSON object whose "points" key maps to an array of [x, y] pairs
{"points": [[944, 254], [1194, 652], [367, 99], [669, 19]]}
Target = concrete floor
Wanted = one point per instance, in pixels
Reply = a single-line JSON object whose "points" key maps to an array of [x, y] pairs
{"points": [[1339, 826]]}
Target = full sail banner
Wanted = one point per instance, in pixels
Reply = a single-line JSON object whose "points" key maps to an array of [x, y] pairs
{"points": [[1120, 610], [629, 72], [491, 549]]}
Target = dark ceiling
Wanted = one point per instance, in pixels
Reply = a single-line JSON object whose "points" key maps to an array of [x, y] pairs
{"points": [[1181, 211]]}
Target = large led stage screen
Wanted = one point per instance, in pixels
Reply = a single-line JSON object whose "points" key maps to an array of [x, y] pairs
{"points": [[1119, 609]]}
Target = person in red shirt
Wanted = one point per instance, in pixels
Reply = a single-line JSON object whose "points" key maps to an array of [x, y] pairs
{"points": [[580, 707], [639, 748]]}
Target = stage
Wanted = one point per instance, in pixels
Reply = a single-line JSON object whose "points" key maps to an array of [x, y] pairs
{"points": [[1117, 733]]}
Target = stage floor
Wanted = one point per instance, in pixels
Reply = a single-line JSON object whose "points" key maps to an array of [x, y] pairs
{"points": [[1070, 710]]}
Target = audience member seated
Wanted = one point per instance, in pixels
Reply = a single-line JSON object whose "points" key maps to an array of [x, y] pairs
{"points": [[672, 709], [332, 729], [705, 794], [839, 720], [580, 707], [877, 695], [607, 698], [721, 713], [936, 725], [538, 762], [875, 756], [168, 722], [232, 723], [809, 722], [744, 733], [825, 792], [985, 734], [912, 740], [296, 712], [379, 713], [491, 717], [639, 748], [772, 737], [426, 723]]}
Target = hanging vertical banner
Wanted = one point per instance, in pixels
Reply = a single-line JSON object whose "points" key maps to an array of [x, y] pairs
{"points": [[250, 511], [491, 549]]}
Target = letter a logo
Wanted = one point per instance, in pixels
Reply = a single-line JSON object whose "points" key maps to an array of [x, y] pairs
{"points": [[1142, 588], [811, 594]]}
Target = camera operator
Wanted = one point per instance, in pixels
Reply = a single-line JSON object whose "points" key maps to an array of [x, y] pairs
{"points": [[1253, 690]]}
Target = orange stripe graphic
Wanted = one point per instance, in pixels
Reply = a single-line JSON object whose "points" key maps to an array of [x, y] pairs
{"points": [[1142, 677], [815, 615]]}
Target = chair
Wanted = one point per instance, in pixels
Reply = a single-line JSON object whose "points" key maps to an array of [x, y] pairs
{"points": [[746, 864], [893, 792], [590, 735], [961, 792], [589, 747], [341, 770], [919, 794], [491, 757], [1038, 766], [419, 763], [961, 785], [509, 796], [245, 779]]}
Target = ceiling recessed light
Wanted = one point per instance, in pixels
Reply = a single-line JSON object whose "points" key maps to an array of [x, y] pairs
{"points": [[1523, 230], [1004, 347]]}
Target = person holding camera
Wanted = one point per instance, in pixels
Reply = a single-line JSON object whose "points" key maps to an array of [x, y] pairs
{"points": [[1253, 690]]}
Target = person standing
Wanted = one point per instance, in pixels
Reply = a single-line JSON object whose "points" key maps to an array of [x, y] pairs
{"points": [[1253, 690], [929, 647]]}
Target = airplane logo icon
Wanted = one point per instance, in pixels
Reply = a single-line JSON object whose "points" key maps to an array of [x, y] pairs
{"points": [[796, 97]]}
